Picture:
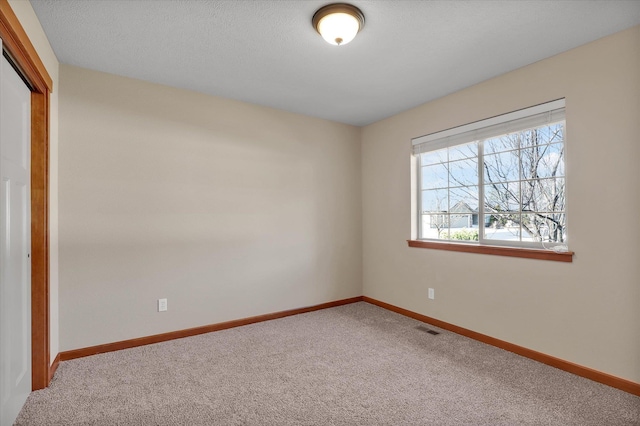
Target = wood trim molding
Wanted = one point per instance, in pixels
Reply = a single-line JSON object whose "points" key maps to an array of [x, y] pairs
{"points": [[157, 338], [54, 367], [40, 239], [495, 250], [17, 45], [578, 370]]}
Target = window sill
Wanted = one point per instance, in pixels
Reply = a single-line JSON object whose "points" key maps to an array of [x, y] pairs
{"points": [[495, 250]]}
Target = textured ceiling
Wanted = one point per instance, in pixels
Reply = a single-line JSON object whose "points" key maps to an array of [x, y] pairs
{"points": [[267, 53]]}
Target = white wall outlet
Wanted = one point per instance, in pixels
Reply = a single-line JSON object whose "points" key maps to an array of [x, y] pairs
{"points": [[432, 294], [162, 305]]}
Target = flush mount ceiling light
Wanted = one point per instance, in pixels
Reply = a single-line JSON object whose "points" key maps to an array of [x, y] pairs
{"points": [[338, 23]]}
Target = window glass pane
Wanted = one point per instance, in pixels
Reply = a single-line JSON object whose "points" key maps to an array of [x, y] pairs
{"points": [[463, 200], [463, 172], [504, 227], [543, 135], [530, 137], [435, 226], [502, 197], [435, 176], [554, 133], [501, 167], [433, 157], [543, 195], [461, 234], [523, 186], [459, 221], [543, 161], [435, 201], [469, 150], [502, 143], [548, 228]]}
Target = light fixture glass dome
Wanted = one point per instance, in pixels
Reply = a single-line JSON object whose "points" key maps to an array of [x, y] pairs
{"points": [[338, 28], [338, 23]]}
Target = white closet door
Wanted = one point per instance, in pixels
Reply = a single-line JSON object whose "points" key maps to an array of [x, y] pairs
{"points": [[15, 243]]}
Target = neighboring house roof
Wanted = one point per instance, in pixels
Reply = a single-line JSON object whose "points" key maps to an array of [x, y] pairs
{"points": [[462, 207]]}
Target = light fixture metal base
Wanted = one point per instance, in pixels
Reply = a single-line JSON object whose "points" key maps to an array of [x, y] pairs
{"points": [[338, 8]]}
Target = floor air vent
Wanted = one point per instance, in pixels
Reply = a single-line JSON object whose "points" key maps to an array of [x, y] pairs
{"points": [[428, 330]]}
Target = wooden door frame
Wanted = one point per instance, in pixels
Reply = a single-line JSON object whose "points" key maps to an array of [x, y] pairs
{"points": [[18, 47]]}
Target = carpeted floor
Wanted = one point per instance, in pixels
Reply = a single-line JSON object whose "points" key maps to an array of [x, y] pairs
{"points": [[352, 365]]}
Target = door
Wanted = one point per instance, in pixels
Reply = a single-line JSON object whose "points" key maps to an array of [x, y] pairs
{"points": [[15, 243]]}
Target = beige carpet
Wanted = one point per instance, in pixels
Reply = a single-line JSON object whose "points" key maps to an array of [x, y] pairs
{"points": [[351, 365]]}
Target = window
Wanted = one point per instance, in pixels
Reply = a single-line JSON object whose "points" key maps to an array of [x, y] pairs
{"points": [[499, 181]]}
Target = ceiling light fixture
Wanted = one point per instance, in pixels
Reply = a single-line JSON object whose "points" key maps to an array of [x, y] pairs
{"points": [[338, 23]]}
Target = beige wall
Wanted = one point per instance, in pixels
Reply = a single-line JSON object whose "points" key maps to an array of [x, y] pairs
{"points": [[227, 209], [31, 25], [588, 311], [231, 210]]}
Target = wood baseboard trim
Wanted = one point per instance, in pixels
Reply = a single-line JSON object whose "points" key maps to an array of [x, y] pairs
{"points": [[54, 367], [157, 338], [578, 370]]}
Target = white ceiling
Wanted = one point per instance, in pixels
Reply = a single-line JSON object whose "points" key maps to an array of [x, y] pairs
{"points": [[267, 53]]}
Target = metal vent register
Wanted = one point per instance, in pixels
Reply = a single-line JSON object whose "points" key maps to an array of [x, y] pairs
{"points": [[428, 330]]}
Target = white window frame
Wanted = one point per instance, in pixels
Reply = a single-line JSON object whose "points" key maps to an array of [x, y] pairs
{"points": [[520, 120]]}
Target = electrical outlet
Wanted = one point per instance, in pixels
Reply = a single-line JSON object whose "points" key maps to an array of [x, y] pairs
{"points": [[162, 305], [432, 294]]}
